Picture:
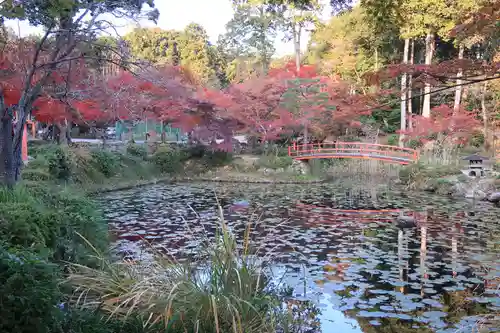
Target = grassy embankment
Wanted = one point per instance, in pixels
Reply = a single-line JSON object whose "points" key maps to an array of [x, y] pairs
{"points": [[441, 174], [54, 241]]}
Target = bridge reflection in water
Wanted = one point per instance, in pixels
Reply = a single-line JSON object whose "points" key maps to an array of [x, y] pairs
{"points": [[315, 215], [426, 274]]}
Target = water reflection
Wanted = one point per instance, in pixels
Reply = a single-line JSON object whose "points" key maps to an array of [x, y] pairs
{"points": [[342, 248]]}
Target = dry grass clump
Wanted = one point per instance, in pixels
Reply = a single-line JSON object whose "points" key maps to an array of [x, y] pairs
{"points": [[223, 289]]}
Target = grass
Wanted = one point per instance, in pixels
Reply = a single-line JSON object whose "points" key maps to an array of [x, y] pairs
{"points": [[224, 288], [95, 169]]}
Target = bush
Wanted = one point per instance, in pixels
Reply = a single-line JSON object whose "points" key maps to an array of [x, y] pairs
{"points": [[274, 162], [137, 151], [106, 162], [420, 173], [393, 140], [84, 321], [196, 151], [217, 158], [168, 160], [477, 139], [48, 221], [59, 162], [29, 293]]}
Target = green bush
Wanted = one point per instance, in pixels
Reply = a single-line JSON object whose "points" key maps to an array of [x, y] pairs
{"points": [[48, 221], [393, 140], [168, 160], [108, 163], [137, 150], [274, 162], [85, 321], [29, 293], [217, 158], [196, 151], [59, 162]]}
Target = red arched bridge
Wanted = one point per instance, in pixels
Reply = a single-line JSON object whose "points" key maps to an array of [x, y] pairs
{"points": [[361, 150]]}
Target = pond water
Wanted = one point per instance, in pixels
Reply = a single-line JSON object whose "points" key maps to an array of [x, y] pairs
{"points": [[340, 248]]}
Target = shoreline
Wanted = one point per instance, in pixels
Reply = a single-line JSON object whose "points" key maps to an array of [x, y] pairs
{"points": [[122, 186]]}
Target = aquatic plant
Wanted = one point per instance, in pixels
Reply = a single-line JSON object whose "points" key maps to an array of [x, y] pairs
{"points": [[224, 288]]}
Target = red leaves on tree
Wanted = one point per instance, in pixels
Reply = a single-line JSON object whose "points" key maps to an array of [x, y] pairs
{"points": [[287, 100], [444, 122]]}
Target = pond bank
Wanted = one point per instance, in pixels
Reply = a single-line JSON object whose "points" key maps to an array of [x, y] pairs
{"points": [[120, 186]]}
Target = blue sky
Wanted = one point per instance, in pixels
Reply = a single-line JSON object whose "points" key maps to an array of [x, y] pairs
{"points": [[176, 14]]}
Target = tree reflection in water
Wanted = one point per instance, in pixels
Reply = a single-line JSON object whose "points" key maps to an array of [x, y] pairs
{"points": [[434, 276]]}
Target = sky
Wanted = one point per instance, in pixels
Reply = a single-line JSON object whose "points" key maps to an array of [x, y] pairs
{"points": [[176, 14]]}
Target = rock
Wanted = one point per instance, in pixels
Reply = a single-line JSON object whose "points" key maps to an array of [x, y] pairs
{"points": [[475, 194], [406, 222], [299, 167], [494, 197]]}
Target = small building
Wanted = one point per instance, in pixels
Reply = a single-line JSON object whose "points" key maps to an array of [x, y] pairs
{"points": [[127, 130], [476, 165]]}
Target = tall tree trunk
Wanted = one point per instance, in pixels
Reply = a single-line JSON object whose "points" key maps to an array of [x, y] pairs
{"points": [[410, 90], [7, 171], [429, 55], [163, 134], [297, 29], [62, 138], [404, 91], [484, 113], [458, 89]]}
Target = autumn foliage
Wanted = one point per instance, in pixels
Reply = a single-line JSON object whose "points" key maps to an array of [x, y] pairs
{"points": [[285, 101], [444, 125]]}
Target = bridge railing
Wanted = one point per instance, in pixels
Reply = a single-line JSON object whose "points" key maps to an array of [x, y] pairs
{"points": [[352, 149]]}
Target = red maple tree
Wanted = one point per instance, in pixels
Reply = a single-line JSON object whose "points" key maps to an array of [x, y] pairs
{"points": [[444, 126], [288, 101]]}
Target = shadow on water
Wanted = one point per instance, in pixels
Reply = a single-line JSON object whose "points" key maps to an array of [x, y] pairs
{"points": [[341, 248]]}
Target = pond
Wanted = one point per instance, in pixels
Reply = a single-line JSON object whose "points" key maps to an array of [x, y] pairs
{"points": [[341, 248]]}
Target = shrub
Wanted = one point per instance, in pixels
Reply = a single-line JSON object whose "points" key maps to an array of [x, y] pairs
{"points": [[418, 173], [168, 160], [106, 162], [81, 321], [29, 293], [217, 158], [59, 162], [196, 151], [48, 221], [274, 162], [393, 140], [137, 150]]}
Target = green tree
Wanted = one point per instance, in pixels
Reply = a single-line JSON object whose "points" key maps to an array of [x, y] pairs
{"points": [[250, 34], [154, 45], [198, 54], [349, 46]]}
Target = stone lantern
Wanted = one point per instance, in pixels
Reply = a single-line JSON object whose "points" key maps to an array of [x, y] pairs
{"points": [[476, 165]]}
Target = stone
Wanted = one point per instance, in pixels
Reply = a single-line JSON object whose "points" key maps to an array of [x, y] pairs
{"points": [[406, 221], [299, 167], [475, 194], [494, 197]]}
